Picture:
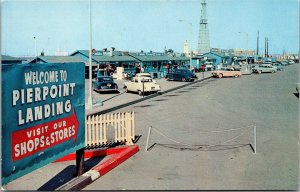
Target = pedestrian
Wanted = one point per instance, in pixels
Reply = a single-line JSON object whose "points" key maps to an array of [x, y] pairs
{"points": [[137, 69]]}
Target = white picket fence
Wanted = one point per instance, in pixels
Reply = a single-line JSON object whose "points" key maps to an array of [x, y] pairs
{"points": [[109, 128]]}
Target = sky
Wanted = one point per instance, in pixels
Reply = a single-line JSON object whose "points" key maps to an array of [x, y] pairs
{"points": [[148, 25]]}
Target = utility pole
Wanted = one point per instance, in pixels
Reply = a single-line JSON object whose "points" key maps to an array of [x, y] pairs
{"points": [[90, 98]]}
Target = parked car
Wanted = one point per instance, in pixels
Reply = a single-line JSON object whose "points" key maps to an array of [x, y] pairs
{"points": [[181, 75], [280, 67], [226, 72], [141, 85], [264, 68], [285, 63], [291, 62], [104, 84]]}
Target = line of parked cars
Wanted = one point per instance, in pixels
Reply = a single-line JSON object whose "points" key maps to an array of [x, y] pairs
{"points": [[141, 83], [237, 71]]}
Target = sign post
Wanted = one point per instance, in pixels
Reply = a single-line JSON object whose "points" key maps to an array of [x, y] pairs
{"points": [[43, 115]]}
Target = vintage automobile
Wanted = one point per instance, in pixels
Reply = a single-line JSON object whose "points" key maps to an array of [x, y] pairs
{"points": [[104, 84], [141, 85], [280, 67], [226, 72], [284, 63], [264, 68], [181, 75], [291, 62]]}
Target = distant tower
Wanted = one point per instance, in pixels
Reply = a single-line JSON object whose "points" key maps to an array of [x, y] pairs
{"points": [[186, 48], [203, 41]]}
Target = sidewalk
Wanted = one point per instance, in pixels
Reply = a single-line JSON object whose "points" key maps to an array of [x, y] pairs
{"points": [[54, 175]]}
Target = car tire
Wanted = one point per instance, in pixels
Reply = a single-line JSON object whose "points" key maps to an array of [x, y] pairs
{"points": [[236, 75], [259, 72], [272, 71], [183, 79], [220, 75], [140, 92]]}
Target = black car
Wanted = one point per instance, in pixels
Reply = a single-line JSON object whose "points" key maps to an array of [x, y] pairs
{"points": [[181, 75], [104, 84]]}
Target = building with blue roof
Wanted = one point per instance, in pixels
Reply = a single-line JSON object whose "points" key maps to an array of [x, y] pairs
{"points": [[5, 59]]}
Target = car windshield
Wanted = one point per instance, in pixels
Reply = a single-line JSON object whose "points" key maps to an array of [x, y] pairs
{"points": [[146, 80], [104, 79]]}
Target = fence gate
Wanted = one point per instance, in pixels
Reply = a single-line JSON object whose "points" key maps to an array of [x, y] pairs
{"points": [[109, 128]]}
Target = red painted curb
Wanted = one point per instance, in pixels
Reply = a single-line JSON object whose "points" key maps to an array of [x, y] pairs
{"points": [[92, 153], [115, 160]]}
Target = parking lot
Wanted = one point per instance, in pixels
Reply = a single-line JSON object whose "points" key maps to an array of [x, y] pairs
{"points": [[184, 152], [186, 115]]}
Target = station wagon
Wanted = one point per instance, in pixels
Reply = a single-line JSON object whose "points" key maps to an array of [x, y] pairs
{"points": [[264, 68]]}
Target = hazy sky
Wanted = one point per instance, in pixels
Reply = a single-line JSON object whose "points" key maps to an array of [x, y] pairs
{"points": [[135, 25]]}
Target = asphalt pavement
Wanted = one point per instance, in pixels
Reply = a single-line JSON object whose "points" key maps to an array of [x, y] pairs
{"points": [[202, 137]]}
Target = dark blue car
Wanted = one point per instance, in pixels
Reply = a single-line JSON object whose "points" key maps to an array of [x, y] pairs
{"points": [[104, 84], [181, 75]]}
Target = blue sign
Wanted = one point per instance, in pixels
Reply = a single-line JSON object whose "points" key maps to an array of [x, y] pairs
{"points": [[43, 115]]}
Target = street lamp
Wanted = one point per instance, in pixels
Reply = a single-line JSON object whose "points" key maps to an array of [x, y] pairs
{"points": [[191, 34], [35, 49], [90, 98]]}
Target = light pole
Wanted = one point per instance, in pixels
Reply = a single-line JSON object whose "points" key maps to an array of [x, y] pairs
{"points": [[35, 49], [191, 34], [90, 98]]}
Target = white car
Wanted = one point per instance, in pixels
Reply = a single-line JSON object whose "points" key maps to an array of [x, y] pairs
{"points": [[141, 85]]}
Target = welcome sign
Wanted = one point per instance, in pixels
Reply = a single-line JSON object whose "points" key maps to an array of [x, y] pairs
{"points": [[43, 115]]}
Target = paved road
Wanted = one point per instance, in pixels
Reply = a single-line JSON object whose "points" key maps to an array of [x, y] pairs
{"points": [[189, 115]]}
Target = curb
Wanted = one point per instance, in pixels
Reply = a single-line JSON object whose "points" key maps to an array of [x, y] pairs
{"points": [[118, 156], [145, 98]]}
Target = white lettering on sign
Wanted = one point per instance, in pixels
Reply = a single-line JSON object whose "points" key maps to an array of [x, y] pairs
{"points": [[40, 93], [43, 77]]}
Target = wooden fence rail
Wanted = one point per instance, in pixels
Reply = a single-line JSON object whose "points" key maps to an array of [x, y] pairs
{"points": [[109, 128]]}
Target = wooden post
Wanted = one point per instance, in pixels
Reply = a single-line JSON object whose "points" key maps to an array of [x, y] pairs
{"points": [[79, 162], [149, 132]]}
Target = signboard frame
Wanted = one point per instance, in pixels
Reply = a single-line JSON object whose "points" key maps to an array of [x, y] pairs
{"points": [[43, 115]]}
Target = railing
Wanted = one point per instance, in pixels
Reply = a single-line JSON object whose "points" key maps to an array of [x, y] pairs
{"points": [[109, 128]]}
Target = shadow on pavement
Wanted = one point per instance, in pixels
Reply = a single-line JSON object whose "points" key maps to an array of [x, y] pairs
{"points": [[58, 180], [67, 174], [297, 95], [143, 106], [170, 95]]}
